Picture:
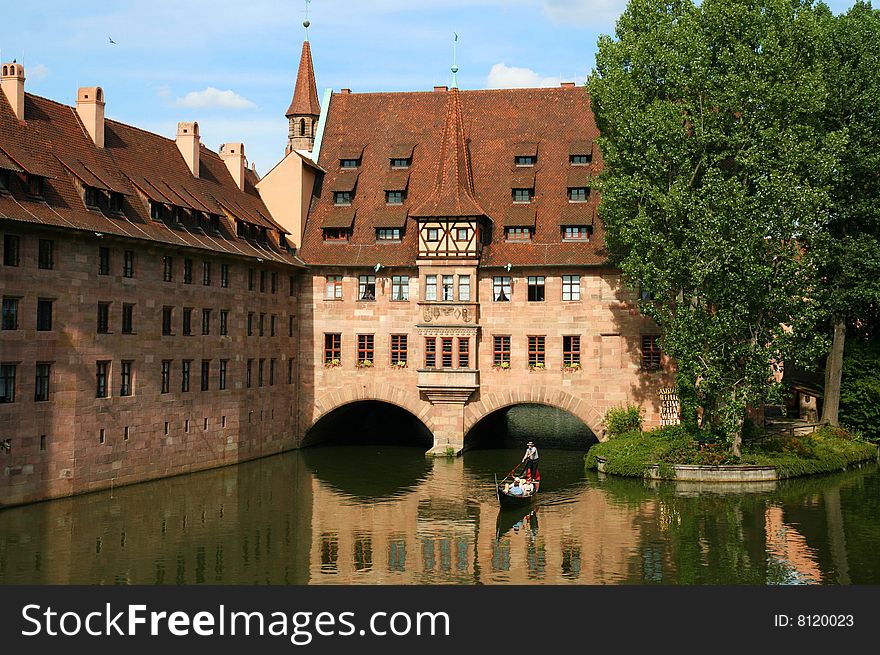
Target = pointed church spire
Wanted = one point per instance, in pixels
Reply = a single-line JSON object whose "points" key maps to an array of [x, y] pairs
{"points": [[304, 109], [453, 193]]}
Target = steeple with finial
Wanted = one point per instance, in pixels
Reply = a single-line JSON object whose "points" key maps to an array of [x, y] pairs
{"points": [[304, 110]]}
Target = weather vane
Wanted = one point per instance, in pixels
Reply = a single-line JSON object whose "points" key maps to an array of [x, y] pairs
{"points": [[454, 59], [307, 22]]}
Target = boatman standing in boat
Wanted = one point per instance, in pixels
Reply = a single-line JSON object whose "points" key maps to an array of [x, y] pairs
{"points": [[531, 460]]}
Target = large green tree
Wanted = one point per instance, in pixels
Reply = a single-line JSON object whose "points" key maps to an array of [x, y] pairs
{"points": [[717, 169], [848, 249]]}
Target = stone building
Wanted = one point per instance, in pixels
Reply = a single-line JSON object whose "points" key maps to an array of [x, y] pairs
{"points": [[166, 309]]}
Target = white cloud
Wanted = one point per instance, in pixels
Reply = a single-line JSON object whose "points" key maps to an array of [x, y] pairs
{"points": [[212, 97], [512, 77], [37, 71], [583, 12]]}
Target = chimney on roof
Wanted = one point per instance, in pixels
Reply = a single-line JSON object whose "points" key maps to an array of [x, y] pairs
{"points": [[12, 83], [441, 89], [90, 107], [232, 155], [188, 143], [345, 92], [566, 85]]}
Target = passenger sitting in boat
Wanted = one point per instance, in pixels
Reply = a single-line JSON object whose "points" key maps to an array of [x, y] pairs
{"points": [[515, 489], [527, 487]]}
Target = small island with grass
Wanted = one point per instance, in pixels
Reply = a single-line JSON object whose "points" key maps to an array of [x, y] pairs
{"points": [[676, 452]]}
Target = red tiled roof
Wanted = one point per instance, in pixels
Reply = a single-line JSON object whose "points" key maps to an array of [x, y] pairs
{"points": [[53, 143], [305, 94], [495, 124]]}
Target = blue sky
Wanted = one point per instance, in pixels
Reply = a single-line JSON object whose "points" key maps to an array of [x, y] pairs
{"points": [[233, 69]]}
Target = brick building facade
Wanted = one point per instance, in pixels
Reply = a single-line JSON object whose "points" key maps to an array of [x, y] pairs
{"points": [[166, 310]]}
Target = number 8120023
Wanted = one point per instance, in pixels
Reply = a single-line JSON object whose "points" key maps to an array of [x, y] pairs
{"points": [[825, 620]]}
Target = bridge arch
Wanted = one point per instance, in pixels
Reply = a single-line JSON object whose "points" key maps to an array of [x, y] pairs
{"points": [[490, 403], [385, 393]]}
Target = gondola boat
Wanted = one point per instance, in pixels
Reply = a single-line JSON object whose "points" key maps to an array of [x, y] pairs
{"points": [[509, 500]]}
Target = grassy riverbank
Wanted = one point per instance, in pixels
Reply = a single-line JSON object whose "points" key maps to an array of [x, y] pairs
{"points": [[827, 449]]}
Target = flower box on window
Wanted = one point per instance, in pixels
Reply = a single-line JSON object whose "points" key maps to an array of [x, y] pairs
{"points": [[333, 363], [503, 366], [570, 368], [399, 364], [365, 363], [540, 366]]}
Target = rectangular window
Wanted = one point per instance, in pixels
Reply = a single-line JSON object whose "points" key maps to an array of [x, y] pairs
{"points": [[518, 233], [187, 271], [524, 160], [388, 234], [262, 281], [102, 436], [272, 321], [536, 351], [261, 364], [571, 287], [464, 352], [522, 195], [206, 374], [117, 202], [433, 234], [290, 370], [10, 313], [157, 211], [167, 268], [127, 318], [128, 263], [185, 368], [187, 321], [430, 352], [177, 214], [7, 383], [41, 390], [102, 370], [501, 289], [464, 288], [446, 352], [400, 162], [367, 287], [333, 288], [290, 325], [166, 376], [103, 261], [501, 350], [262, 323], [576, 233], [342, 197], [398, 350], [250, 324], [579, 160], [332, 349], [224, 322], [349, 163], [125, 433], [272, 372], [430, 287], [46, 259], [125, 381], [103, 317], [571, 350], [166, 320], [44, 315], [249, 376], [335, 234], [274, 282], [292, 283], [224, 366], [578, 194], [206, 321], [224, 275], [400, 287], [394, 197], [462, 234], [4, 180], [42, 443], [536, 288], [650, 352], [250, 279], [206, 274], [448, 287], [11, 249], [365, 349]]}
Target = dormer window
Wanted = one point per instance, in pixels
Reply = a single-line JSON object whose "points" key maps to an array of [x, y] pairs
{"points": [[524, 160], [580, 160], [349, 163], [518, 233], [177, 214], [401, 162], [240, 229], [91, 197], [342, 197], [578, 194], [157, 210], [117, 202], [388, 234], [215, 223], [35, 186], [336, 234], [523, 195], [576, 233], [394, 197], [4, 180]]}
